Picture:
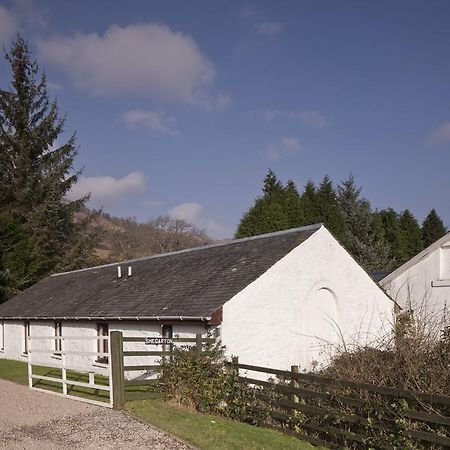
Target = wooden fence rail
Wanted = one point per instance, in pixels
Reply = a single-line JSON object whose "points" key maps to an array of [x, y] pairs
{"points": [[333, 412], [122, 387]]}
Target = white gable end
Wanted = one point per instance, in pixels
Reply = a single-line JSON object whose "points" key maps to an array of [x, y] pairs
{"points": [[317, 294], [423, 283]]}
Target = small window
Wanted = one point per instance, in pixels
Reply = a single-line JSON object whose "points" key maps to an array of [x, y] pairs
{"points": [[102, 345], [58, 334], [444, 263], [2, 336], [26, 333]]}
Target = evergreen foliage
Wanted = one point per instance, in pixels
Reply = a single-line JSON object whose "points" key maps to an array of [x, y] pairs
{"points": [[361, 238], [38, 233], [411, 239], [330, 213], [378, 240], [279, 208], [432, 228]]}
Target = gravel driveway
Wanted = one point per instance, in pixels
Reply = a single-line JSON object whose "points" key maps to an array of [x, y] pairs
{"points": [[34, 420]]}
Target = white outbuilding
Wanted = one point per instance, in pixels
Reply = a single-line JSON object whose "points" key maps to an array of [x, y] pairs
{"points": [[422, 284], [275, 300]]}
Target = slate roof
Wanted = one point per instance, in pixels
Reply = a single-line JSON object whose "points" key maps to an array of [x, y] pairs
{"points": [[190, 283], [378, 276]]}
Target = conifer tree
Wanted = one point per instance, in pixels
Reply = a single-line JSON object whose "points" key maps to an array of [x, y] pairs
{"points": [[38, 233], [432, 228], [279, 208], [386, 225], [361, 239], [410, 235], [329, 212], [310, 204]]}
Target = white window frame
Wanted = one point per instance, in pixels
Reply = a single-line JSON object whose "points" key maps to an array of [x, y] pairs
{"points": [[26, 336], [102, 344], [2, 337], [57, 342]]}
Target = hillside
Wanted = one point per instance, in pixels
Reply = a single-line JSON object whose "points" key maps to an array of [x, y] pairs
{"points": [[125, 238]]}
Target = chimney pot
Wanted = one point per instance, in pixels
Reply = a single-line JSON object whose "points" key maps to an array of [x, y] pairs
{"points": [[119, 272], [129, 271]]}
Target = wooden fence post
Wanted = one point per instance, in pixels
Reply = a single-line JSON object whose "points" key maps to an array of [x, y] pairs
{"points": [[294, 384], [234, 365], [117, 375], [198, 344]]}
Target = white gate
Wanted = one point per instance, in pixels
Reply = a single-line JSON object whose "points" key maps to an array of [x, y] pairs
{"points": [[65, 382]]}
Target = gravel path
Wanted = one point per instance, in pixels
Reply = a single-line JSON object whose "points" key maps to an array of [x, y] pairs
{"points": [[34, 420]]}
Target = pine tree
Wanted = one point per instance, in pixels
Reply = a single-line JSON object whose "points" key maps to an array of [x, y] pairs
{"points": [[38, 233], [310, 204], [361, 240], [386, 226], [329, 212], [432, 228], [411, 236], [279, 208]]}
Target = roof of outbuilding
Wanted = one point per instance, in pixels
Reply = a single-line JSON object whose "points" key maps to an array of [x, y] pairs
{"points": [[191, 284]]}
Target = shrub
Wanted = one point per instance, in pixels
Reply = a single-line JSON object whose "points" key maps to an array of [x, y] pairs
{"points": [[205, 382], [415, 358]]}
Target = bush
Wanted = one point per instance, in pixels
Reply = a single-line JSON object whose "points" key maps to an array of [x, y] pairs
{"points": [[205, 382], [414, 358]]}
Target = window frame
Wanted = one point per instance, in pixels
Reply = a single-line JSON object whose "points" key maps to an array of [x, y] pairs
{"points": [[2, 340], [102, 344], [26, 333], [57, 342]]}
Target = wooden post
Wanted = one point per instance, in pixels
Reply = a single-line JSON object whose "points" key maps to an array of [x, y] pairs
{"points": [[117, 375], [198, 344], [294, 384], [234, 365]]}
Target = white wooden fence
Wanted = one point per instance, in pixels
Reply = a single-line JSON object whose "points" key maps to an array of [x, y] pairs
{"points": [[64, 367]]}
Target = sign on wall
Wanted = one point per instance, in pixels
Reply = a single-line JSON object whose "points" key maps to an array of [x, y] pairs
{"points": [[158, 341]]}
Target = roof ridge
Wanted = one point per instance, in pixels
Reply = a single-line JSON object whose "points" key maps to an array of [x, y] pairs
{"points": [[203, 247]]}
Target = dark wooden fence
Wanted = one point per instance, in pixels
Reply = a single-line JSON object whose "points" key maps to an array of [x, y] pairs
{"points": [[335, 412], [139, 388]]}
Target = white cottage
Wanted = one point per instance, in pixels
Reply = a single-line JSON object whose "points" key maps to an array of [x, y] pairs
{"points": [[423, 283], [273, 300]]}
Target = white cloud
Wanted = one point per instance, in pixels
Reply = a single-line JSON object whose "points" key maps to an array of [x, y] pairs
{"points": [[222, 101], [290, 143], [107, 187], [154, 120], [151, 203], [286, 147], [267, 28], [311, 118], [440, 135], [249, 12], [192, 213], [148, 60], [8, 26]]}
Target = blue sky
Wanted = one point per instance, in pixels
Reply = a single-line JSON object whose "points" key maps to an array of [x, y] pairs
{"points": [[180, 107]]}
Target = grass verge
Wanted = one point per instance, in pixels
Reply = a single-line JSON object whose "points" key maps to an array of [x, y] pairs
{"points": [[211, 432], [17, 371]]}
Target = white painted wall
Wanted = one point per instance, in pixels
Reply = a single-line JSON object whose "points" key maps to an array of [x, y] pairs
{"points": [[15, 339], [315, 292], [425, 286]]}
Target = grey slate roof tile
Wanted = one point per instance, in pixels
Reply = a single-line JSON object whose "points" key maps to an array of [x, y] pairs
{"points": [[189, 283]]}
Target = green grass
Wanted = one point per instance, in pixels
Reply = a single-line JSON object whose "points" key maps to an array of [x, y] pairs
{"points": [[202, 430], [211, 432], [17, 371], [14, 371]]}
